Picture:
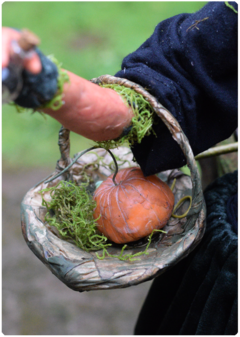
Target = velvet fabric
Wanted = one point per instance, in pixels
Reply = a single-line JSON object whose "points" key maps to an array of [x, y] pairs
{"points": [[190, 65], [41, 88], [198, 296], [232, 212]]}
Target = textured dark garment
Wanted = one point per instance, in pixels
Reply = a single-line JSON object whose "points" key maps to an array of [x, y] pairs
{"points": [[232, 212], [198, 296], [41, 88], [192, 70]]}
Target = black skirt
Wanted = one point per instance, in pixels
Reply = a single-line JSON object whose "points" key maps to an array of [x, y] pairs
{"points": [[198, 296]]}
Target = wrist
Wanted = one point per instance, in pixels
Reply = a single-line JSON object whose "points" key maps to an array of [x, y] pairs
{"points": [[141, 110]]}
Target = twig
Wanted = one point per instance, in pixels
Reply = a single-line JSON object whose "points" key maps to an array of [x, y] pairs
{"points": [[218, 150], [195, 24]]}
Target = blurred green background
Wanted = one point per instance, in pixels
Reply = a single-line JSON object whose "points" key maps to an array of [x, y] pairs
{"points": [[90, 39]]}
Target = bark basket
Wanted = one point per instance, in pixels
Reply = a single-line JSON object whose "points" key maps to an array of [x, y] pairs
{"points": [[82, 271]]}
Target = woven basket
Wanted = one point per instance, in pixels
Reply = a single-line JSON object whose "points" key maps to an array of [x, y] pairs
{"points": [[83, 271]]}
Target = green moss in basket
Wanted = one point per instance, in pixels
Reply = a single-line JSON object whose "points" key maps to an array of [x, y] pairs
{"points": [[71, 212]]}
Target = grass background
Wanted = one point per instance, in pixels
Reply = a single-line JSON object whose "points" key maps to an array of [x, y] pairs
{"points": [[90, 39]]}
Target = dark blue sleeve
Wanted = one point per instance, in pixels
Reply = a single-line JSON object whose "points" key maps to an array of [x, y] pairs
{"points": [[190, 65], [41, 88]]}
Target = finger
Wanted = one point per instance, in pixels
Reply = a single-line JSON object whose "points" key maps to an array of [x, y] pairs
{"points": [[33, 64], [8, 35], [5, 51]]}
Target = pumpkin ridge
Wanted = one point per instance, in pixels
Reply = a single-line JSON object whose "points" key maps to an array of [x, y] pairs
{"points": [[97, 192], [162, 190], [125, 174], [131, 177], [130, 233], [122, 213], [155, 185], [116, 229], [147, 201], [136, 178], [108, 204], [104, 202], [109, 208], [121, 175], [101, 204], [125, 191], [116, 232]]}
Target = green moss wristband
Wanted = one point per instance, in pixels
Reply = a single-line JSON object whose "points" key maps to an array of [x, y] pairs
{"points": [[142, 121]]}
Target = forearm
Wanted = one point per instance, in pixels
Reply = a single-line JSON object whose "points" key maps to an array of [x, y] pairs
{"points": [[92, 111]]}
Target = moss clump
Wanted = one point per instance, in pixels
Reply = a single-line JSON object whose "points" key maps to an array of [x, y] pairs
{"points": [[141, 122], [231, 7], [71, 212]]}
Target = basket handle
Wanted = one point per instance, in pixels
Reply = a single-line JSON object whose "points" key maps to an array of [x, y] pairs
{"points": [[64, 147], [168, 119]]}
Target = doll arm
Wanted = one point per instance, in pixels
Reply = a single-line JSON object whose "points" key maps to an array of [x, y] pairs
{"points": [[97, 113]]}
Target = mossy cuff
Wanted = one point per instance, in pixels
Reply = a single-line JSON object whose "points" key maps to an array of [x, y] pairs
{"points": [[142, 122]]}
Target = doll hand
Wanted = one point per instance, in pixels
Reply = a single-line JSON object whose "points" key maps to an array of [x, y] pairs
{"points": [[31, 64]]}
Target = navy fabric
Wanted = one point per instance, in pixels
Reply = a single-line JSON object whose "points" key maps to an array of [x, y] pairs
{"points": [[190, 65], [198, 296], [232, 212], [41, 88]]}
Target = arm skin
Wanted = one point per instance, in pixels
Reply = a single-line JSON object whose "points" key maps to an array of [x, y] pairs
{"points": [[89, 110]]}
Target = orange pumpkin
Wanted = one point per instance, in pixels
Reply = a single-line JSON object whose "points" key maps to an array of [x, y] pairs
{"points": [[134, 207]]}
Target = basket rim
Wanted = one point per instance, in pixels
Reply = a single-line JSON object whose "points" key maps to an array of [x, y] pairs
{"points": [[69, 271]]}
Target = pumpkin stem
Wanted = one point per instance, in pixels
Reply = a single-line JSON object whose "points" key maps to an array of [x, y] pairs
{"points": [[116, 166], [80, 155]]}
